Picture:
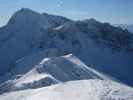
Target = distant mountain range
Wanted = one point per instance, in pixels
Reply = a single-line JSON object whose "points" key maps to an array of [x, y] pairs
{"points": [[125, 26], [29, 37]]}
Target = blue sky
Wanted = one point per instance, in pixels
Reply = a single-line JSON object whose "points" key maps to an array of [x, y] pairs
{"points": [[113, 11]]}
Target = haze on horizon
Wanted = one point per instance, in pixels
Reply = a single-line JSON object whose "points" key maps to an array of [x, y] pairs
{"points": [[113, 11]]}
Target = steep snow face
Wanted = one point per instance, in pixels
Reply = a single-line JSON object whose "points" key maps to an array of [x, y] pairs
{"points": [[26, 18], [23, 31], [76, 90], [50, 71]]}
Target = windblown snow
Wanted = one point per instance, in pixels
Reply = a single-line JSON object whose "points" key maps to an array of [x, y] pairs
{"points": [[75, 90]]}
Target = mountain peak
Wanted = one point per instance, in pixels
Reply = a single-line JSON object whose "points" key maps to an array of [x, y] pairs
{"points": [[26, 16], [22, 16], [91, 20], [25, 10]]}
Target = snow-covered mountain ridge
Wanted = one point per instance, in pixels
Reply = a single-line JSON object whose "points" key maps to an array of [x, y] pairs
{"points": [[64, 71], [29, 32], [50, 71]]}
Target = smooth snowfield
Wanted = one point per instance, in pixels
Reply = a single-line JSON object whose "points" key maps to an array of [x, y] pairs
{"points": [[75, 90]]}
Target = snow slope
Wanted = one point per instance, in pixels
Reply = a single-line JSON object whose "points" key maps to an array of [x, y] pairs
{"points": [[22, 34], [50, 71], [75, 90]]}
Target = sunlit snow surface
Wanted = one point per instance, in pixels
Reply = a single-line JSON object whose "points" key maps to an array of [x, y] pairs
{"points": [[74, 81], [51, 71], [75, 90]]}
